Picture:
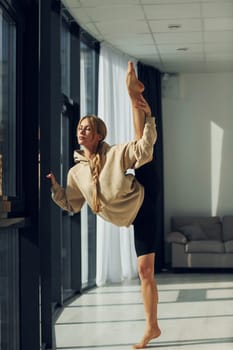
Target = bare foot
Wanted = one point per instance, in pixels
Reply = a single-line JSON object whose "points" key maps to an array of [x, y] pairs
{"points": [[147, 337], [135, 86]]}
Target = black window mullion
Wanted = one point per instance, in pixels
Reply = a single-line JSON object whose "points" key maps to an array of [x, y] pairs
{"points": [[50, 146]]}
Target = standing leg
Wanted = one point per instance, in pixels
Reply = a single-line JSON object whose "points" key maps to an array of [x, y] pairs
{"points": [[145, 262], [150, 298]]}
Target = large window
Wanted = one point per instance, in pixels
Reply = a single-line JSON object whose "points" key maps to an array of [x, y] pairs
{"points": [[9, 252], [88, 105], [70, 225], [79, 63], [65, 160], [7, 106], [88, 79], [65, 59]]}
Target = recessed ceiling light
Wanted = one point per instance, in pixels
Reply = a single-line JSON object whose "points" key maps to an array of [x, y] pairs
{"points": [[182, 49], [174, 26]]}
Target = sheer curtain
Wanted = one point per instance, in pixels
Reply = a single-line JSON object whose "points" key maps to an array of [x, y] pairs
{"points": [[116, 257]]}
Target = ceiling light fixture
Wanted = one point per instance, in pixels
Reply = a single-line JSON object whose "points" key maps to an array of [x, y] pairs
{"points": [[182, 49], [174, 26]]}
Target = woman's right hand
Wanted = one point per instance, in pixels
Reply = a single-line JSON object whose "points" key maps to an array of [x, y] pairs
{"points": [[142, 104], [52, 178]]}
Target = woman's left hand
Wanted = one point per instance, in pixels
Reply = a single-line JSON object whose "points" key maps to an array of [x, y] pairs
{"points": [[52, 178]]}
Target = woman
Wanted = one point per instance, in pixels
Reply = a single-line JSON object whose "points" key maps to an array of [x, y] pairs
{"points": [[99, 177]]}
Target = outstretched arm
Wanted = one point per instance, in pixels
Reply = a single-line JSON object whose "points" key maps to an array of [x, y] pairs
{"points": [[71, 198], [140, 107], [52, 178]]}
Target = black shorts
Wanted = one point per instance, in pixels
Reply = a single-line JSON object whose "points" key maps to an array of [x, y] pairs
{"points": [[145, 227], [145, 224]]}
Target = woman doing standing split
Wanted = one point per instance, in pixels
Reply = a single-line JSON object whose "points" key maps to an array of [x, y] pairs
{"points": [[99, 178]]}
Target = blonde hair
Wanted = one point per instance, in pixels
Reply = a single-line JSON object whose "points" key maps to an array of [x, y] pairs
{"points": [[98, 126]]}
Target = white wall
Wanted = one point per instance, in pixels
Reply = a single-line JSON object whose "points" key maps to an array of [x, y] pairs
{"points": [[198, 145]]}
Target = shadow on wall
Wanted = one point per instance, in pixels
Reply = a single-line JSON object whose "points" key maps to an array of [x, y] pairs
{"points": [[198, 139]]}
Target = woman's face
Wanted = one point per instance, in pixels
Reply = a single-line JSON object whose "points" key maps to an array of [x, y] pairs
{"points": [[86, 135]]}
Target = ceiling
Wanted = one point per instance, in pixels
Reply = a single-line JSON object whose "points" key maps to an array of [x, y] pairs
{"points": [[173, 35]]}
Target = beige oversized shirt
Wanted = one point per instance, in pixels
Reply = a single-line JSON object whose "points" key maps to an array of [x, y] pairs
{"points": [[120, 194]]}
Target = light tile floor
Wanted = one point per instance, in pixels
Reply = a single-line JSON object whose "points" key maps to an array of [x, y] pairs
{"points": [[195, 312]]}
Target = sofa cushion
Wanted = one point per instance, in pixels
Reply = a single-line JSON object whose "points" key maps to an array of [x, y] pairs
{"points": [[205, 247], [176, 237], [229, 246], [211, 225], [227, 228], [213, 230], [193, 232]]}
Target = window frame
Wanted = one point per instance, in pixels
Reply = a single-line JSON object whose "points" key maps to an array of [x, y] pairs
{"points": [[13, 205]]}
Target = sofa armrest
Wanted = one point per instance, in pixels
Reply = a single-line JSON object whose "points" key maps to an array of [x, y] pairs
{"points": [[176, 237]]}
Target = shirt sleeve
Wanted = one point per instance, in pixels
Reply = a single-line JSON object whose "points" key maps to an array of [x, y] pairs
{"points": [[69, 199], [140, 152]]}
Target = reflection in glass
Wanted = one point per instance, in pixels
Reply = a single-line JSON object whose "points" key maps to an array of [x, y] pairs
{"points": [[9, 250], [7, 106], [65, 59]]}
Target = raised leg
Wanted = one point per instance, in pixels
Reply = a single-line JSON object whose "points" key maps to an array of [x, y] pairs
{"points": [[135, 89], [135, 86]]}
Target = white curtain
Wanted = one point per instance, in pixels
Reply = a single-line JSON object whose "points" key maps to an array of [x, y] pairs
{"points": [[116, 257]]}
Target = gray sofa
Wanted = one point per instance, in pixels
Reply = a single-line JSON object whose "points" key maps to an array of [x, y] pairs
{"points": [[201, 242]]}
